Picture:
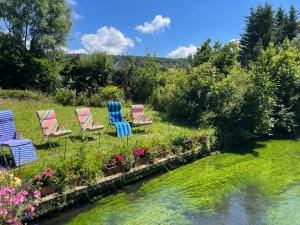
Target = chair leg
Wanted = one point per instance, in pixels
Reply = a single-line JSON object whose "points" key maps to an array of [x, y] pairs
{"points": [[42, 139], [50, 142], [5, 159], [65, 152]]}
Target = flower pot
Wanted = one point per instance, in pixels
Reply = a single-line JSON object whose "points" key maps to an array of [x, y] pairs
{"points": [[48, 190], [76, 182], [111, 170], [162, 154], [142, 161]]}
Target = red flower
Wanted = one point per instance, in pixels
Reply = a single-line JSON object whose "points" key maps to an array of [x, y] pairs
{"points": [[138, 152], [119, 157]]}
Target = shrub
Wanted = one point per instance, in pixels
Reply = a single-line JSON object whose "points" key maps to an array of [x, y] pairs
{"points": [[111, 93], [65, 96], [21, 95]]}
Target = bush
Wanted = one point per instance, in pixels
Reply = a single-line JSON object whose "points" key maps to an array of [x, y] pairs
{"points": [[110, 93], [65, 96], [21, 95]]}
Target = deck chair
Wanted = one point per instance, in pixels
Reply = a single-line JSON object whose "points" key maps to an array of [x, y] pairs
{"points": [[50, 127], [22, 150], [86, 121], [115, 119], [138, 116]]}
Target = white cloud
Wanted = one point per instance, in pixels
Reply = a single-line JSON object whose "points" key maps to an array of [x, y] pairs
{"points": [[77, 51], [107, 39], [71, 51], [72, 2], [138, 39], [183, 52], [159, 23], [75, 15]]}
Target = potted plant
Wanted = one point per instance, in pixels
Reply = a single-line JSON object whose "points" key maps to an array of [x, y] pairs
{"points": [[161, 152], [116, 164], [74, 175], [16, 199], [46, 182], [142, 156]]}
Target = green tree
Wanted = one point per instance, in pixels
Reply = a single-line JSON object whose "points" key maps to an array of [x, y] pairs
{"points": [[281, 24], [293, 24], [281, 67], [202, 55], [89, 73], [258, 31], [33, 31], [146, 80]]}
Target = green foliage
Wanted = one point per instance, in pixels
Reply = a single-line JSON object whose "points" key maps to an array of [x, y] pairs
{"points": [[88, 73], [281, 67], [65, 96], [21, 95], [29, 55], [111, 93], [146, 80], [258, 32], [202, 55], [222, 57], [263, 26]]}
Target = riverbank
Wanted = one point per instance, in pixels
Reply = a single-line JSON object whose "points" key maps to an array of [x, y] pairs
{"points": [[55, 202], [255, 184]]}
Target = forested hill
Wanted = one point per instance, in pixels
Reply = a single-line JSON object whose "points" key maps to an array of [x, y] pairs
{"points": [[124, 61]]}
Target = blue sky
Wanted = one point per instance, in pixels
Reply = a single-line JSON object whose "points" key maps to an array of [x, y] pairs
{"points": [[166, 28]]}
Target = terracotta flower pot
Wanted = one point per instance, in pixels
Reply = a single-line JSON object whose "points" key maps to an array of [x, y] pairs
{"points": [[111, 170], [142, 161], [162, 154], [48, 190], [76, 182]]}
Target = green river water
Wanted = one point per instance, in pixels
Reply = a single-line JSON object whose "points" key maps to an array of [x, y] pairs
{"points": [[259, 184]]}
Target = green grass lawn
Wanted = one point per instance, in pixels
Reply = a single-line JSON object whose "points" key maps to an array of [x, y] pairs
{"points": [[25, 118]]}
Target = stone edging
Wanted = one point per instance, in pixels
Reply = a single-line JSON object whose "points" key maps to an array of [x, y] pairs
{"points": [[55, 202]]}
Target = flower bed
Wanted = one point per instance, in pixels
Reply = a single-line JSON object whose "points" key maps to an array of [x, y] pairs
{"points": [[16, 199]]}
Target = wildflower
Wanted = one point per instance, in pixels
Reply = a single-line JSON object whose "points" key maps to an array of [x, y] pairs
{"points": [[37, 177], [3, 212], [30, 209], [49, 172], [138, 152], [37, 194], [11, 220], [119, 157]]}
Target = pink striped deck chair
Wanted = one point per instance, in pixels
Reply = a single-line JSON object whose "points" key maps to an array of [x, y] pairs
{"points": [[86, 121], [138, 116], [50, 126]]}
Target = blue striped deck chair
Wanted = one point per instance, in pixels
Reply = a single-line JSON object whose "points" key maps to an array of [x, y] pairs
{"points": [[22, 150], [115, 119]]}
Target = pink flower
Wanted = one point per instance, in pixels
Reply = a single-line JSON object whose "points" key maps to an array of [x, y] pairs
{"points": [[37, 177], [119, 157], [138, 152], [11, 220], [3, 212], [6, 191], [31, 209], [49, 172], [18, 199], [37, 194], [25, 193]]}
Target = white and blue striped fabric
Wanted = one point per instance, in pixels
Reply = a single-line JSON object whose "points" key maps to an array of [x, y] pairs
{"points": [[22, 150], [115, 118]]}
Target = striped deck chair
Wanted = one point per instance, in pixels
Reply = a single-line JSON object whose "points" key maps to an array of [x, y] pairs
{"points": [[138, 116], [86, 121], [50, 126], [115, 118], [22, 150]]}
